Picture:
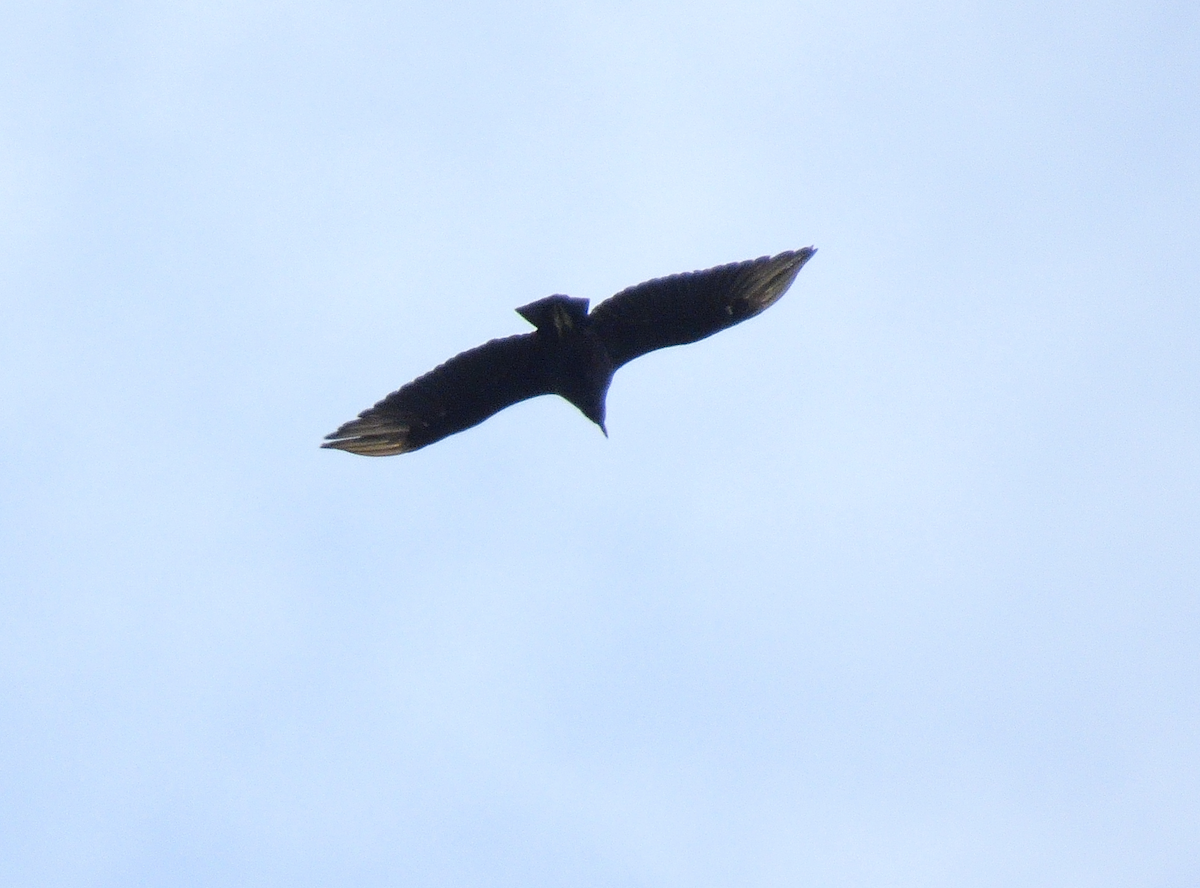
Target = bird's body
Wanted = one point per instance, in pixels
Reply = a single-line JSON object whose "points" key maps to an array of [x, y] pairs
{"points": [[571, 353]]}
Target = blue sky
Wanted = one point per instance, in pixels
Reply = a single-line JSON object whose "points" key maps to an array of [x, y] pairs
{"points": [[895, 584]]}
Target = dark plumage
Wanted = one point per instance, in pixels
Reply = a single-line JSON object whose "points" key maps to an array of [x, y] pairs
{"points": [[571, 353]]}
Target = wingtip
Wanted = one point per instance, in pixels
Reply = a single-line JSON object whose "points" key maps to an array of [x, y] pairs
{"points": [[370, 435], [796, 258], [368, 445], [775, 276]]}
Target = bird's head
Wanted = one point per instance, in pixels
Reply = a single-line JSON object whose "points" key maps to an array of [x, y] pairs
{"points": [[595, 412], [587, 385]]}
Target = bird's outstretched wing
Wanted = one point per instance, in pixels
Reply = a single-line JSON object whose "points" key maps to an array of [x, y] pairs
{"points": [[460, 393], [686, 307]]}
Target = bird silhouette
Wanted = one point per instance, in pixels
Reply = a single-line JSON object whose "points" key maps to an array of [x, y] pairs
{"points": [[571, 353]]}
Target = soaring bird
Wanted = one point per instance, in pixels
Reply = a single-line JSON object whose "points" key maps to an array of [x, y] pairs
{"points": [[572, 353]]}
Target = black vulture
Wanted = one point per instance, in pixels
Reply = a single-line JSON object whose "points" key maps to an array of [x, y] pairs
{"points": [[571, 353]]}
